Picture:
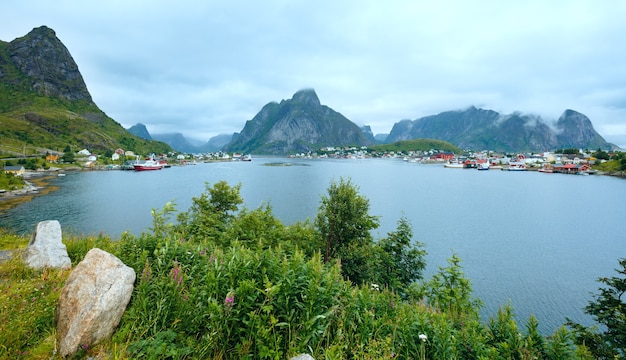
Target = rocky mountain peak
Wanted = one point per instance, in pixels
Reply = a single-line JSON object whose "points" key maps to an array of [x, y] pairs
{"points": [[47, 65], [307, 97], [140, 130], [297, 125]]}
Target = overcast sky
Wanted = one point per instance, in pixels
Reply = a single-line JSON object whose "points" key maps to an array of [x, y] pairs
{"points": [[204, 67]]}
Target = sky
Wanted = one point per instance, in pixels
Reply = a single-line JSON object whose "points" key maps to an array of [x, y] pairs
{"points": [[203, 67]]}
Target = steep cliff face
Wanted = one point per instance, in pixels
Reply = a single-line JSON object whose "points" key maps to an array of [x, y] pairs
{"points": [[480, 129], [574, 130], [44, 101], [299, 124], [48, 66]]}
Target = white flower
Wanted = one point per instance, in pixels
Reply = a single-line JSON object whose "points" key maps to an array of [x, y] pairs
{"points": [[423, 337], [375, 287]]}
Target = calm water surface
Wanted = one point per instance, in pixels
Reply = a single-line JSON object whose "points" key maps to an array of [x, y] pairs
{"points": [[537, 240]]}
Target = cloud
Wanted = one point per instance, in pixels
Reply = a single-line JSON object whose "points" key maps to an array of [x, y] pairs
{"points": [[205, 67]]}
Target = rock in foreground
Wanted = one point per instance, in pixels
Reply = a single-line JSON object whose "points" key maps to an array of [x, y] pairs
{"points": [[46, 248], [93, 301]]}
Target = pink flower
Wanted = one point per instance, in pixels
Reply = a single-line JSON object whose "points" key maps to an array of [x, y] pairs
{"points": [[176, 274], [230, 300]]}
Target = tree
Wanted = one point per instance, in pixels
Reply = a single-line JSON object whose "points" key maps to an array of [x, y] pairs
{"points": [[343, 218], [609, 309], [210, 213], [601, 155], [450, 290], [344, 225], [400, 263], [68, 155]]}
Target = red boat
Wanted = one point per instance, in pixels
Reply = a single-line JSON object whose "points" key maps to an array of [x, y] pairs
{"points": [[148, 165]]}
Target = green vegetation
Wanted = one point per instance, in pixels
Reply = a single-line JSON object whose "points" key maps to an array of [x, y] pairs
{"points": [[37, 124], [616, 162], [407, 146], [228, 283], [9, 181], [31, 123]]}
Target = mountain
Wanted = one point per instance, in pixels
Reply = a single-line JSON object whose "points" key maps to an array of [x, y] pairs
{"points": [[45, 104], [480, 129], [217, 143], [140, 130], [299, 124], [177, 141], [180, 143], [381, 138]]}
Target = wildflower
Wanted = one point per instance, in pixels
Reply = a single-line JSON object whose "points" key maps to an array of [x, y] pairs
{"points": [[375, 287], [423, 337], [230, 299], [176, 274], [147, 271]]}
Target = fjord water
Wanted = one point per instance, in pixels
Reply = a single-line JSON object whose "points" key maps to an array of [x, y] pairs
{"points": [[538, 241]]}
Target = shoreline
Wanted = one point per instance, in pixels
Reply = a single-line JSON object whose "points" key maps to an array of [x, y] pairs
{"points": [[37, 184]]}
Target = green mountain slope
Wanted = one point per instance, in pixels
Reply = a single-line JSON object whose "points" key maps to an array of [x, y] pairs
{"points": [[416, 145], [45, 104]]}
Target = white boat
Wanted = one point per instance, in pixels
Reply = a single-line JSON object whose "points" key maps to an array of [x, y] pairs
{"points": [[454, 163], [518, 164], [483, 166]]}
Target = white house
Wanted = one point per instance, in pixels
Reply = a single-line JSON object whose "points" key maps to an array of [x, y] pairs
{"points": [[115, 156], [84, 152]]}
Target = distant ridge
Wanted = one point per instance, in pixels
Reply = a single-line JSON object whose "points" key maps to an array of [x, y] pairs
{"points": [[480, 129], [180, 143]]}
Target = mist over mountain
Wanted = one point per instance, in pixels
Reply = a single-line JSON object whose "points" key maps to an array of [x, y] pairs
{"points": [[480, 129], [180, 143]]}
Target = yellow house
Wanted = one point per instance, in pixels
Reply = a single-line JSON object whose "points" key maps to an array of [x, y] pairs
{"points": [[15, 170], [52, 158]]}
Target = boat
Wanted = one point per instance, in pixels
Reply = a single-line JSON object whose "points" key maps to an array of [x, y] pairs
{"points": [[149, 164], [247, 158], [518, 164], [483, 166], [455, 164]]}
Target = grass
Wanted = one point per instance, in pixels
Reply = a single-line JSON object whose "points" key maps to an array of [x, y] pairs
{"points": [[198, 301]]}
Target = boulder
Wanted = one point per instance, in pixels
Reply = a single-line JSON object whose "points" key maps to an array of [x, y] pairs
{"points": [[303, 357], [93, 301], [46, 248]]}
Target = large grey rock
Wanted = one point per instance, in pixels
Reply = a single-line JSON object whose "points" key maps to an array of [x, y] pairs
{"points": [[303, 357], [93, 300], [46, 248]]}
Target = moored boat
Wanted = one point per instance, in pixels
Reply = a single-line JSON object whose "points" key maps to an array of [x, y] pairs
{"points": [[454, 163], [149, 164], [519, 164]]}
